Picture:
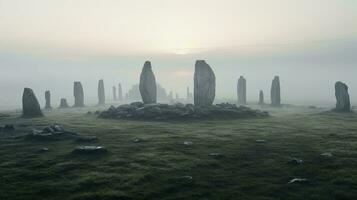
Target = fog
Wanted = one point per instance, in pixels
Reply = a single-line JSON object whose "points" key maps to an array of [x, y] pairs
{"points": [[307, 73]]}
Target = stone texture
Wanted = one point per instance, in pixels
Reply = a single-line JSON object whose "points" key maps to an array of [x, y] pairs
{"points": [[101, 92], [78, 94], [120, 92], [275, 92], [204, 84], [30, 106], [115, 98], [147, 86], [63, 103], [343, 98], [48, 100], [261, 97], [242, 91]]}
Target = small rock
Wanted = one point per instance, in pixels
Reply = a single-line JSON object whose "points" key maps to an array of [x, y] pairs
{"points": [[45, 149], [9, 127], [89, 150], [260, 141], [296, 161], [298, 180], [327, 155], [188, 177], [136, 140], [187, 143], [216, 155]]}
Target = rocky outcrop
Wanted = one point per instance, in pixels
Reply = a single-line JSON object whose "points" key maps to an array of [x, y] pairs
{"points": [[120, 92], [78, 94], [343, 98], [261, 97], [48, 100], [147, 84], [242, 91], [30, 106], [275, 92], [101, 92], [63, 103], [204, 84], [162, 112], [115, 98]]}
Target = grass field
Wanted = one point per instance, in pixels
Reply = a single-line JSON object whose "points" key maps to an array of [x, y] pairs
{"points": [[231, 159]]}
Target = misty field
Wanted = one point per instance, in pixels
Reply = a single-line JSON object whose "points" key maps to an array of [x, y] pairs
{"points": [[230, 159]]}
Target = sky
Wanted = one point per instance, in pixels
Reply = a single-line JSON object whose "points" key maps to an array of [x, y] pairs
{"points": [[48, 44]]}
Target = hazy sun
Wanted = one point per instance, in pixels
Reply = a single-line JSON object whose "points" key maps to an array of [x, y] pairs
{"points": [[182, 51]]}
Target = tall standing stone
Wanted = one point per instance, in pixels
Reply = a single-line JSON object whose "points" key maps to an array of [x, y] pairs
{"points": [[261, 97], [147, 86], [242, 91], [30, 105], [120, 92], [63, 103], [275, 92], [48, 100], [101, 93], [115, 93], [204, 84], [343, 98], [78, 94]]}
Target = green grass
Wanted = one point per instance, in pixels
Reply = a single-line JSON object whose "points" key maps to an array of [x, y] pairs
{"points": [[160, 166]]}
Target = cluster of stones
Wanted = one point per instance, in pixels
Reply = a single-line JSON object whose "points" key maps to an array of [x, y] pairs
{"points": [[141, 111]]}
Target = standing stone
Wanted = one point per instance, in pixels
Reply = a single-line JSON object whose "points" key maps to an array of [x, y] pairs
{"points": [[343, 98], [63, 103], [30, 105], [48, 100], [204, 84], [101, 93], [147, 84], [120, 92], [78, 94], [115, 93], [242, 91], [275, 92], [261, 97]]}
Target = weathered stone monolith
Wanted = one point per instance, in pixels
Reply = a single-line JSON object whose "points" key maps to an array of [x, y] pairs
{"points": [[120, 92], [261, 97], [78, 94], [147, 86], [275, 92], [204, 84], [30, 106], [101, 93], [343, 98], [63, 103], [242, 91], [48, 100], [115, 98]]}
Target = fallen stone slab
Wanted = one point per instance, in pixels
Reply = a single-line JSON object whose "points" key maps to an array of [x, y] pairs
{"points": [[89, 150]]}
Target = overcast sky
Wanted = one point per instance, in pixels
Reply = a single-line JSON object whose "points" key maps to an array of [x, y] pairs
{"points": [[47, 44]]}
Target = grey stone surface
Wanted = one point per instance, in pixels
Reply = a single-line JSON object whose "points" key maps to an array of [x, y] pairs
{"points": [[120, 92], [147, 86], [78, 94], [204, 84], [30, 106], [101, 92], [343, 98], [261, 97], [48, 100], [242, 91], [63, 103], [275, 92]]}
